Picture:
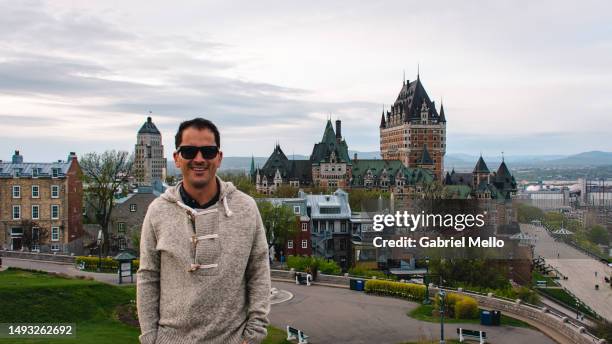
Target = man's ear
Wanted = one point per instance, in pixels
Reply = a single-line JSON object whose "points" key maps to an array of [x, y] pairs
{"points": [[175, 155], [220, 157]]}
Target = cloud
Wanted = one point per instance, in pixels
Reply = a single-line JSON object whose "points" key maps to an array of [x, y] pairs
{"points": [[512, 75]]}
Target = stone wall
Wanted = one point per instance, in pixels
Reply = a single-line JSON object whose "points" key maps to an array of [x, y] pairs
{"points": [[38, 256]]}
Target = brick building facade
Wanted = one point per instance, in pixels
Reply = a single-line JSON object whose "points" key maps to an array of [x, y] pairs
{"points": [[50, 195]]}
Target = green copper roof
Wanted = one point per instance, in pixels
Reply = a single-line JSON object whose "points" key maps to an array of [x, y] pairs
{"points": [[481, 166], [149, 128], [425, 157]]}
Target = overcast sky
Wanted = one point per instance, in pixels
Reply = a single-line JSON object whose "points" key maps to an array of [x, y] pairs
{"points": [[532, 77]]}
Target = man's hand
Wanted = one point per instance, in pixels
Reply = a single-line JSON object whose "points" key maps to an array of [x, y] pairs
{"points": [[245, 342]]}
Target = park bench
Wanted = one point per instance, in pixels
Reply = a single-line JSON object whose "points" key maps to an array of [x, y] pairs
{"points": [[302, 278], [294, 333], [541, 284], [465, 334]]}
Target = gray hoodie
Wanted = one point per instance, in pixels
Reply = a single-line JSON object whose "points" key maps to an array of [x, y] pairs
{"points": [[204, 275]]}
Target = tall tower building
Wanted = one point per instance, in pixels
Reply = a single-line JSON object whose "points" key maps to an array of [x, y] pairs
{"points": [[149, 162], [413, 131]]}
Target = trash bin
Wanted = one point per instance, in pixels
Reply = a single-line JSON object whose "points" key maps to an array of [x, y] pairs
{"points": [[485, 318], [359, 285], [353, 284], [496, 318]]}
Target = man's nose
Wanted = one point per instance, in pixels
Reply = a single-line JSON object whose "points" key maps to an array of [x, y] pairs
{"points": [[199, 157]]}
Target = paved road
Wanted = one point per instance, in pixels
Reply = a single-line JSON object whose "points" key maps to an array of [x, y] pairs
{"points": [[335, 315], [578, 267], [65, 268]]}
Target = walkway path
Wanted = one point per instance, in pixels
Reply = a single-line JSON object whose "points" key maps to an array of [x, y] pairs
{"points": [[336, 315], [578, 267]]}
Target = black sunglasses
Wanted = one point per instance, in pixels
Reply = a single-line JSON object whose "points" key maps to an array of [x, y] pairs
{"points": [[190, 152]]}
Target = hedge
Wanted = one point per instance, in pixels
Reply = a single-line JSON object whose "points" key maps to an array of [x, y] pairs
{"points": [[300, 263], [458, 306], [410, 291], [107, 264]]}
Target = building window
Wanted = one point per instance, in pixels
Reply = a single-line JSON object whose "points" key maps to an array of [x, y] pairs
{"points": [[54, 191], [304, 226], [35, 191], [55, 172], [343, 227], [296, 209], [133, 207], [304, 243], [35, 212], [54, 211], [289, 243], [54, 233], [16, 191], [55, 247], [35, 248], [121, 227], [16, 212]]}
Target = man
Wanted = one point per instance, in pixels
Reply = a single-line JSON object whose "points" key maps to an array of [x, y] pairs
{"points": [[204, 274]]}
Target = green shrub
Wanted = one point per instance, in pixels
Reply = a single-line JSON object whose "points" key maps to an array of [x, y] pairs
{"points": [[107, 264], [304, 263], [410, 291], [362, 272], [527, 295], [451, 300], [466, 308]]}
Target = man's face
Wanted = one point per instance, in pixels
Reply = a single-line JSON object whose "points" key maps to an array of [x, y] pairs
{"points": [[198, 172]]}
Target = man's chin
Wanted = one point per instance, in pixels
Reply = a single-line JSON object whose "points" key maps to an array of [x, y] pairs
{"points": [[199, 183]]}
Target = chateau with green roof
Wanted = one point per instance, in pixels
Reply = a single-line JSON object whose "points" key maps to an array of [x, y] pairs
{"points": [[330, 166]]}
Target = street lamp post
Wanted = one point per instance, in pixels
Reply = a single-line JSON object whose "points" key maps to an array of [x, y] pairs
{"points": [[442, 295], [426, 300], [100, 241], [577, 310]]}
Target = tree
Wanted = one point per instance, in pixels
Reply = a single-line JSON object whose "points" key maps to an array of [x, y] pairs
{"points": [[527, 213], [599, 235], [241, 182], [433, 190], [104, 175], [280, 221], [286, 191], [33, 234]]}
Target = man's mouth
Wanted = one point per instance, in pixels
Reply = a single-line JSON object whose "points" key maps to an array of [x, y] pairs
{"points": [[199, 168]]}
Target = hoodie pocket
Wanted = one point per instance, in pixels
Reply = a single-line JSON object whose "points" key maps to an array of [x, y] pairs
{"points": [[208, 245]]}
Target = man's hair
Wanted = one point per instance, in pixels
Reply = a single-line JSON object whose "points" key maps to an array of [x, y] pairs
{"points": [[198, 123]]}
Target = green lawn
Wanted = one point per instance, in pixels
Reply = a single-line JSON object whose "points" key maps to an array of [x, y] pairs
{"points": [[37, 297], [424, 313], [566, 299]]}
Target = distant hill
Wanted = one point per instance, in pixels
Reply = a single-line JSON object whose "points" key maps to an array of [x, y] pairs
{"points": [[592, 158]]}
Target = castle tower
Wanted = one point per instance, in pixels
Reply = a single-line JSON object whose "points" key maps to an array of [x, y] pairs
{"points": [[412, 128], [149, 162]]}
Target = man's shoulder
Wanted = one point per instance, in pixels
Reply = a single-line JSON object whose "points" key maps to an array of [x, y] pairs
{"points": [[159, 205], [239, 197]]}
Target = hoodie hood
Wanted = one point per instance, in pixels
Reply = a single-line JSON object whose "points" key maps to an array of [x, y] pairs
{"points": [[173, 195]]}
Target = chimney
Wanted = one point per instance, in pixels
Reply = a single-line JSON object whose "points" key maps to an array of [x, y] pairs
{"points": [[355, 157], [338, 129], [71, 156], [17, 159]]}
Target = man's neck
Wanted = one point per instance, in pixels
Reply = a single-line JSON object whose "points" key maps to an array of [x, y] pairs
{"points": [[202, 195]]}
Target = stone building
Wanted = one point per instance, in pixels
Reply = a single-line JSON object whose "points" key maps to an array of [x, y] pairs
{"points": [[149, 162], [128, 216], [413, 131], [50, 195]]}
